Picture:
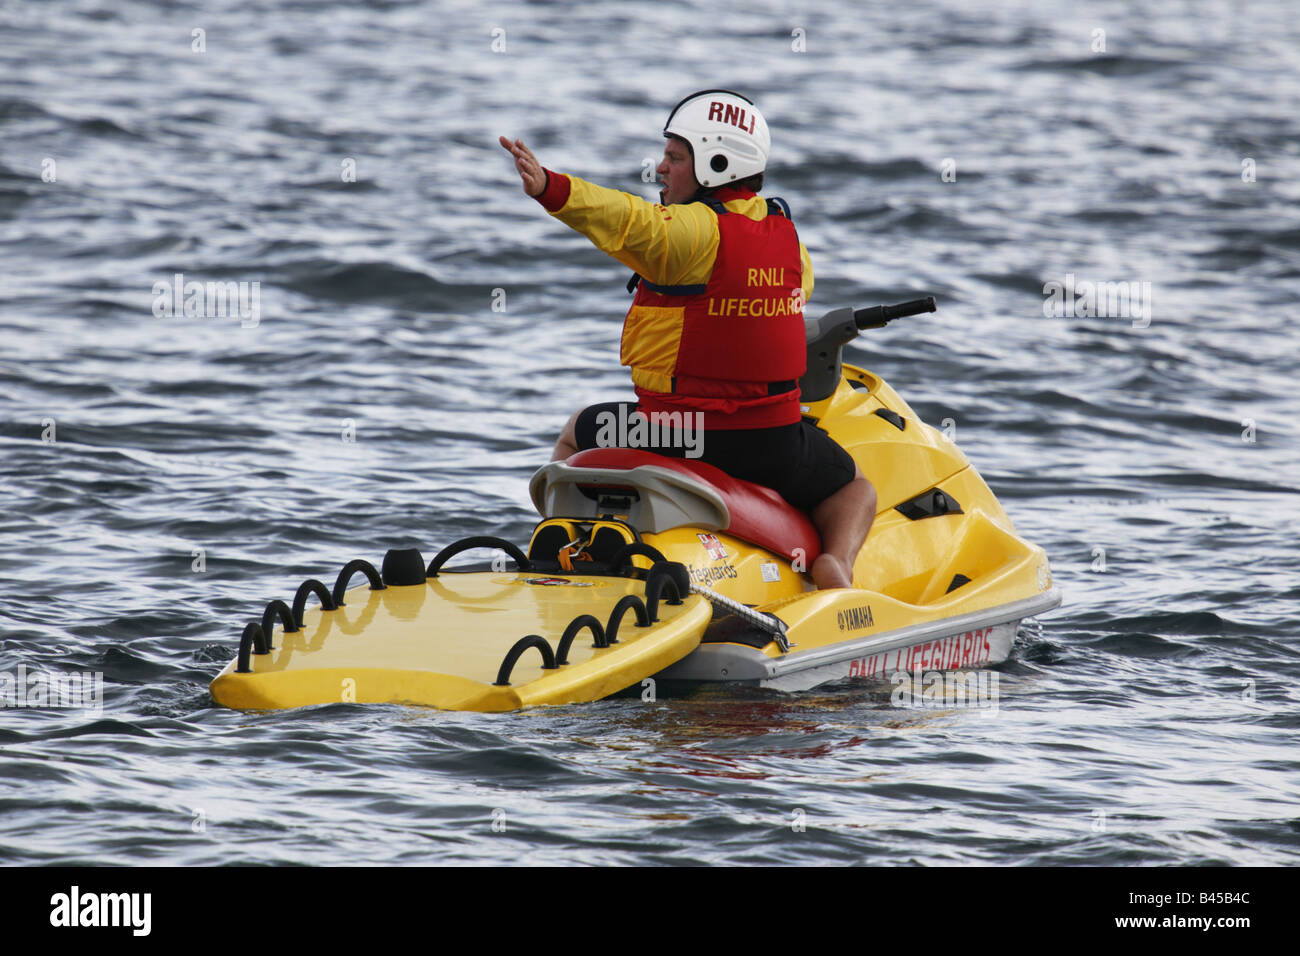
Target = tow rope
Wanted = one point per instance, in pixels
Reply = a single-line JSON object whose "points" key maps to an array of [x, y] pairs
{"points": [[769, 623]]}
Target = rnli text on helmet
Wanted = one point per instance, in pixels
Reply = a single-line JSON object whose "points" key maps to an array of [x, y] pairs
{"points": [[735, 115]]}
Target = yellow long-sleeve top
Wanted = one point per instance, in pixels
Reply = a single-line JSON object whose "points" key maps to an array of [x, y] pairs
{"points": [[673, 245], [668, 245]]}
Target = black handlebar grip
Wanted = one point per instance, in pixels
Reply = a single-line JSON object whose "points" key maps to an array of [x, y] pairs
{"points": [[877, 315], [915, 307]]}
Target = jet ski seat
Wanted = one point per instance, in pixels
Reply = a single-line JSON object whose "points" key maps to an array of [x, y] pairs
{"points": [[658, 493]]}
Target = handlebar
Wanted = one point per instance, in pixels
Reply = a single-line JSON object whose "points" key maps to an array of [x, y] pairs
{"points": [[876, 316], [827, 335]]}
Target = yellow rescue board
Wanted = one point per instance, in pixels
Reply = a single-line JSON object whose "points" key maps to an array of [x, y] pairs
{"points": [[441, 644]]}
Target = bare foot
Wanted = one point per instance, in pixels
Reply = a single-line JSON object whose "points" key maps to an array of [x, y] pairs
{"points": [[829, 571]]}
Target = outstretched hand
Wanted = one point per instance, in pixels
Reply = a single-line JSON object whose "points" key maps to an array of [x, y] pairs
{"points": [[530, 170]]}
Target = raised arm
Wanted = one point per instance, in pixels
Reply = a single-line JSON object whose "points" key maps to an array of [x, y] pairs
{"points": [[526, 164], [669, 245]]}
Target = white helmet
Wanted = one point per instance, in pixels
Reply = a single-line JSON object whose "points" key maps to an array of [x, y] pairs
{"points": [[727, 134]]}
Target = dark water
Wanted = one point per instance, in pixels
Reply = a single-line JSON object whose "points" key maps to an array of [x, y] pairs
{"points": [[1151, 720]]}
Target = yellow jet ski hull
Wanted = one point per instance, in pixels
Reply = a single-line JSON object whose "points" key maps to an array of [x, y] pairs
{"points": [[941, 583]]}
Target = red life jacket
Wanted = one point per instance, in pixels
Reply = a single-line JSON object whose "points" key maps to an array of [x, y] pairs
{"points": [[732, 348]]}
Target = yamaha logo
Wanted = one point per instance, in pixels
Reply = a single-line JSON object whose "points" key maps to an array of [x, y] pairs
{"points": [[855, 618]]}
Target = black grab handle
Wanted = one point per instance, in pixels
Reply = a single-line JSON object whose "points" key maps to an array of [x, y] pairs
{"points": [[631, 550], [876, 316], [625, 603], [478, 541], [286, 619], [655, 585], [570, 632], [521, 645], [306, 590], [252, 641], [345, 577]]}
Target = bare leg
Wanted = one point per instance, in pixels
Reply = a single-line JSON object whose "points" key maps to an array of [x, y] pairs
{"points": [[843, 520], [568, 443]]}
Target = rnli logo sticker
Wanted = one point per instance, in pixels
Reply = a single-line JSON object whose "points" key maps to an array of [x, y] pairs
{"points": [[712, 545]]}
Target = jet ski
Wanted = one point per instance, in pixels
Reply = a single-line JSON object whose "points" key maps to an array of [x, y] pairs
{"points": [[645, 567]]}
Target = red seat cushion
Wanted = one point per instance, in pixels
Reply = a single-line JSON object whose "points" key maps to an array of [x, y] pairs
{"points": [[758, 515]]}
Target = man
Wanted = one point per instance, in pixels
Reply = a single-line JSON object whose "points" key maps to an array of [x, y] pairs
{"points": [[716, 327]]}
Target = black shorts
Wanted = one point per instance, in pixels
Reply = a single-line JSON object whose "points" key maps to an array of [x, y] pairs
{"points": [[802, 463]]}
